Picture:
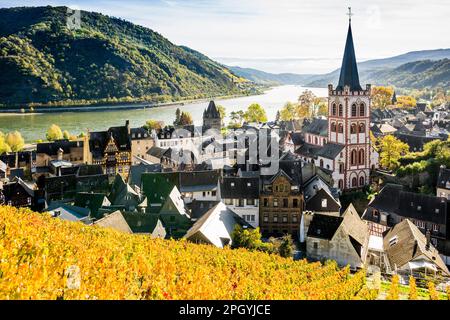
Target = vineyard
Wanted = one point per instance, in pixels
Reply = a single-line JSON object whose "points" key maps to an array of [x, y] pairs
{"points": [[46, 258]]}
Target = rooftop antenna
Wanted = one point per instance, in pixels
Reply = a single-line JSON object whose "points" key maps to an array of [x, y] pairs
{"points": [[350, 14]]}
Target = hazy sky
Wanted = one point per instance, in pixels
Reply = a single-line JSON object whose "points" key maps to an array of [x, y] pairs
{"points": [[302, 36]]}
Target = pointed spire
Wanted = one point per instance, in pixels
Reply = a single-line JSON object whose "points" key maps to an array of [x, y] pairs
{"points": [[349, 69]]}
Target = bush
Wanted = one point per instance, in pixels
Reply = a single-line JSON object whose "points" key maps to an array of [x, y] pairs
{"points": [[412, 288], [394, 289]]}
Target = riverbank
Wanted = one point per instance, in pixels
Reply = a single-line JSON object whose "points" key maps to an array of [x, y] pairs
{"points": [[5, 111]]}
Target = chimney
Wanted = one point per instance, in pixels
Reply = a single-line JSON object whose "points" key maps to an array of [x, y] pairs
{"points": [[60, 154], [428, 237], [127, 124]]}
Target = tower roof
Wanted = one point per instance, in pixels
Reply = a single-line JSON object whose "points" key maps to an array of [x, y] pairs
{"points": [[349, 69], [211, 111]]}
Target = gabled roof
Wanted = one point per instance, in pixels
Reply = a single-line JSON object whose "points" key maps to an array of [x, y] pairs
{"points": [[349, 69], [175, 202], [69, 213], [330, 150], [323, 226], [51, 148], [98, 140], [198, 180], [89, 170], [136, 172], [199, 207], [239, 188], [216, 226], [114, 221], [317, 126], [93, 201], [122, 194], [405, 243], [444, 178], [156, 152]]}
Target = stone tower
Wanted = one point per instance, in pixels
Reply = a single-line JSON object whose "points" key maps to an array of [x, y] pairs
{"points": [[211, 117]]}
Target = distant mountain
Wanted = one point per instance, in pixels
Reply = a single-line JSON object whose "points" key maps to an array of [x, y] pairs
{"points": [[410, 70], [42, 60], [270, 78]]}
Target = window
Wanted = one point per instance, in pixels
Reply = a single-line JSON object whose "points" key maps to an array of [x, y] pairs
{"points": [[228, 201], [353, 128], [333, 109], [340, 128], [252, 218], [354, 182], [295, 203], [324, 203], [241, 202], [393, 241], [204, 194], [361, 156], [341, 184], [315, 245], [275, 202], [436, 210], [361, 181], [321, 163], [362, 110], [341, 168], [316, 141], [213, 193], [353, 110], [266, 219], [275, 218], [232, 184], [353, 158], [265, 202], [294, 218], [419, 208], [250, 202], [341, 110], [435, 227], [285, 203], [285, 219], [333, 127], [376, 214]]}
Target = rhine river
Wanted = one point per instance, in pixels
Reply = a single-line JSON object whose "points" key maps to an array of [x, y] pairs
{"points": [[34, 126]]}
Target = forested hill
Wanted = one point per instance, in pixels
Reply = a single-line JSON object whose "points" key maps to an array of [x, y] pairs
{"points": [[107, 59]]}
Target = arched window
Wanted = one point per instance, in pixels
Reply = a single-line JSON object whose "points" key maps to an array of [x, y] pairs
{"points": [[362, 127], [341, 168], [353, 158], [340, 128], [354, 182], [362, 110], [333, 127], [354, 110], [316, 141], [361, 156], [341, 110], [353, 128], [361, 181], [333, 109], [321, 163], [341, 184]]}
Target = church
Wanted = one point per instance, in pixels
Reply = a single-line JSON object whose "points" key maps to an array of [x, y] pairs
{"points": [[341, 144]]}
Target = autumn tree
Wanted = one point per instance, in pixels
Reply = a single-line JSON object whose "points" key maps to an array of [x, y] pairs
{"points": [[381, 97], [412, 288], [391, 149], [255, 113], [394, 289], [153, 125], [54, 133], [222, 111], [286, 248], [186, 119], [406, 102], [432, 291], [15, 141], [322, 108], [66, 135], [288, 112], [4, 147]]}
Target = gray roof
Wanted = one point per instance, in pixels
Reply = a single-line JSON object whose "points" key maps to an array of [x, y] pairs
{"points": [[114, 221], [317, 126], [330, 150]]}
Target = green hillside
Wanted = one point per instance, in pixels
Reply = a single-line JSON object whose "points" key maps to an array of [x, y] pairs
{"points": [[107, 59]]}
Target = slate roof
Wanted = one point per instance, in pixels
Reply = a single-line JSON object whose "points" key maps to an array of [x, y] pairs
{"points": [[198, 180], [330, 150], [324, 226], [23, 156], [51, 148], [211, 112], [156, 152], [139, 133], [199, 208], [317, 126], [308, 150], [349, 69], [136, 172], [98, 140], [411, 244], [244, 188], [142, 222], [89, 170], [70, 213], [114, 221], [444, 178], [393, 199], [93, 201]]}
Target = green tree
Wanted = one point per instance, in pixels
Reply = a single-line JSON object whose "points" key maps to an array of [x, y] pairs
{"points": [[186, 119], [177, 117], [288, 112], [54, 133], [391, 149], [286, 248], [255, 113], [15, 141], [250, 239]]}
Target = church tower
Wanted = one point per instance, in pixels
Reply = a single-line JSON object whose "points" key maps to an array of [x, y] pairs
{"points": [[211, 117], [349, 122]]}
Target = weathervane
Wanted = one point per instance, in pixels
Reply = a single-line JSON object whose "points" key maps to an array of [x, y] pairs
{"points": [[350, 14]]}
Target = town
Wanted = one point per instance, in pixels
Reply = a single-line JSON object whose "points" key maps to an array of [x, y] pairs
{"points": [[360, 178]]}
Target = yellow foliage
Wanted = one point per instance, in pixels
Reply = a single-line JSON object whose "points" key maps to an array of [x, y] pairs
{"points": [[46, 258]]}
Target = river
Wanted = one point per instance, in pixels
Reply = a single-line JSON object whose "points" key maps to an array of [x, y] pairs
{"points": [[34, 126]]}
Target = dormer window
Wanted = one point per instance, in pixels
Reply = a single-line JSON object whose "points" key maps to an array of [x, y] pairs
{"points": [[419, 208], [324, 203], [249, 184], [393, 241], [232, 184], [436, 210]]}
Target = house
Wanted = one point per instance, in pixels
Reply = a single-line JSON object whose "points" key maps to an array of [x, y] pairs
{"points": [[24, 161], [443, 183], [174, 215], [112, 149], [156, 187], [382, 129], [68, 212], [341, 238], [75, 152], [320, 198], [154, 154], [141, 142], [18, 193], [215, 227], [241, 195], [114, 220], [281, 203], [199, 185], [410, 251], [3, 171], [136, 171], [429, 213], [93, 201], [123, 196]]}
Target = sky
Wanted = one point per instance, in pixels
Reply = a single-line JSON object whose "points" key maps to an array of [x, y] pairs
{"points": [[298, 36]]}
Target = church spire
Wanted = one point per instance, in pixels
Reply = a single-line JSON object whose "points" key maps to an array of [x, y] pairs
{"points": [[349, 69]]}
